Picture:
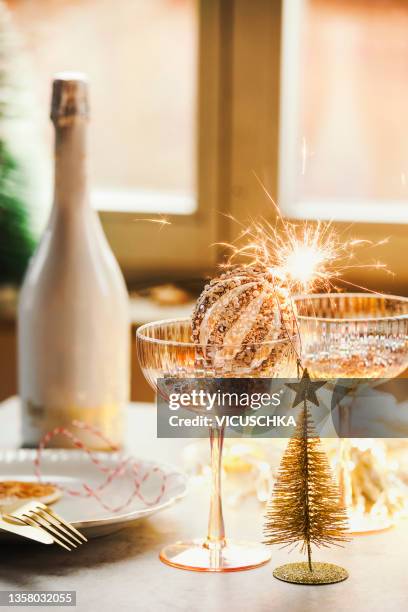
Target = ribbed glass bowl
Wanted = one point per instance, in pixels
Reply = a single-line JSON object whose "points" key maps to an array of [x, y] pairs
{"points": [[165, 349]]}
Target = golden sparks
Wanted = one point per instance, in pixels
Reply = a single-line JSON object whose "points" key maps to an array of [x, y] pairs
{"points": [[307, 256], [161, 221]]}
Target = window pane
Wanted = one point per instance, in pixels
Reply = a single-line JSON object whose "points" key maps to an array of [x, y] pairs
{"points": [[140, 56], [352, 98]]}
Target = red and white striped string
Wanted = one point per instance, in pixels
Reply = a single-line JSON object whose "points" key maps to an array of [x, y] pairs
{"points": [[125, 468]]}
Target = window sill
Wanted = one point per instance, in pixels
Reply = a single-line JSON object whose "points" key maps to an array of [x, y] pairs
{"points": [[141, 309], [356, 211], [143, 201]]}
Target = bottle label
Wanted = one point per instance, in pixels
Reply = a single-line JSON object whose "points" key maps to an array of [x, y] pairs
{"points": [[107, 419]]}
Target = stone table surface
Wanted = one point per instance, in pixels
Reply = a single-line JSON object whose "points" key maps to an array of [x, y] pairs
{"points": [[122, 571]]}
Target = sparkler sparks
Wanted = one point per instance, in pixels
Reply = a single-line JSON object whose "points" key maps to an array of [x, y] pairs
{"points": [[306, 256], [161, 221]]}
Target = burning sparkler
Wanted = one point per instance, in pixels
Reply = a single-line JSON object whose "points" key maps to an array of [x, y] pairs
{"points": [[307, 256]]}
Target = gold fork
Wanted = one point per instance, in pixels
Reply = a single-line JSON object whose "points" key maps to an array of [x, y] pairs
{"points": [[37, 514]]}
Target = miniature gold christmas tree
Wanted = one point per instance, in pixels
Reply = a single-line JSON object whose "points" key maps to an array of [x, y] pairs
{"points": [[305, 508]]}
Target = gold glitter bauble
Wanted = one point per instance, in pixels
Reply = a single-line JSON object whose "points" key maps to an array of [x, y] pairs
{"points": [[239, 317], [299, 573]]}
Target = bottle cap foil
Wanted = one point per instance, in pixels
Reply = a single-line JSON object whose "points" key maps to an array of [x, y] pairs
{"points": [[69, 97]]}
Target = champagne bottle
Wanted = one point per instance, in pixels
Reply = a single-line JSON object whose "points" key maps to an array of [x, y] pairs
{"points": [[73, 319]]}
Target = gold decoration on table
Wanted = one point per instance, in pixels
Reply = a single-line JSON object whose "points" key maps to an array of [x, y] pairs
{"points": [[305, 507], [372, 487], [299, 573], [379, 495]]}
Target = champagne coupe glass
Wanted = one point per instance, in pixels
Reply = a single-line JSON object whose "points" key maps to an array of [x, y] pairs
{"points": [[165, 349], [353, 335]]}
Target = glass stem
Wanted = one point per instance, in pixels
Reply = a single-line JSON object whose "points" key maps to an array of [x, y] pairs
{"points": [[216, 532], [344, 462]]}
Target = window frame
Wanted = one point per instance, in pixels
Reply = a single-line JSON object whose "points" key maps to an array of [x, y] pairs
{"points": [[183, 246], [242, 115], [355, 211], [257, 150]]}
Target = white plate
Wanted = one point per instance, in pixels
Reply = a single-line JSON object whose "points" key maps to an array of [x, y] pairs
{"points": [[72, 468]]}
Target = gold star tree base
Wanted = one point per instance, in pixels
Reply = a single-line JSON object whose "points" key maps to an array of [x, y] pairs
{"points": [[299, 573]]}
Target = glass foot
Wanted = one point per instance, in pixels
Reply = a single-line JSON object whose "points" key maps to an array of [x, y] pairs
{"points": [[196, 556], [362, 524]]}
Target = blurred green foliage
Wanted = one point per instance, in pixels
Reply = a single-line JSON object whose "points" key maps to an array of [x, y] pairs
{"points": [[16, 240]]}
